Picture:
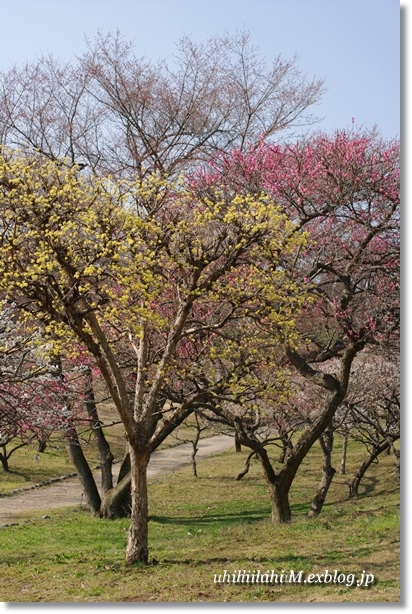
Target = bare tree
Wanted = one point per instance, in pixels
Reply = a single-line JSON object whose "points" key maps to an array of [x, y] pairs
{"points": [[373, 409], [120, 113], [190, 432]]}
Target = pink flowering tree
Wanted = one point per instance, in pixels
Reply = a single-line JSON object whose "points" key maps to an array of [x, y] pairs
{"points": [[33, 402], [343, 191]]}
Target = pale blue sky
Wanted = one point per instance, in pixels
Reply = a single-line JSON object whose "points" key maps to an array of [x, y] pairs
{"points": [[352, 44]]}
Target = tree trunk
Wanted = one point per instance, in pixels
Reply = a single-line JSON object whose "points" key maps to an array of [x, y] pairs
{"points": [[137, 542], [326, 442], [84, 472], [247, 466], [124, 467], [279, 496], [344, 453], [280, 484], [194, 452], [106, 456], [238, 447], [116, 501], [319, 500], [42, 445], [284, 479], [4, 459], [286, 445], [354, 485]]}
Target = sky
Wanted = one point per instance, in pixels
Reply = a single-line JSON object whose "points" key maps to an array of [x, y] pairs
{"points": [[354, 45]]}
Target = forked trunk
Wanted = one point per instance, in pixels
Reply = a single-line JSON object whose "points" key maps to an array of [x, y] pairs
{"points": [[116, 501], [137, 542], [326, 442], [279, 486]]}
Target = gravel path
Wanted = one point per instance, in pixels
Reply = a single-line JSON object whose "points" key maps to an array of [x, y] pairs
{"points": [[69, 491]]}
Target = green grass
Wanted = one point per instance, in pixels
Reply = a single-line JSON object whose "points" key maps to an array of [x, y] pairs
{"points": [[200, 527], [29, 467]]}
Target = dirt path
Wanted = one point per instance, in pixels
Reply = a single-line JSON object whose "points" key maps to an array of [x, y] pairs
{"points": [[69, 492]]}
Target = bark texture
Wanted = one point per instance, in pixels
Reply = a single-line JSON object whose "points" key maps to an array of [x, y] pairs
{"points": [[281, 511], [326, 442], [116, 503], [137, 550], [106, 456], [90, 491]]}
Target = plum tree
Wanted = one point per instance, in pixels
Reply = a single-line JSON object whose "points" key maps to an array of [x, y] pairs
{"points": [[163, 297]]}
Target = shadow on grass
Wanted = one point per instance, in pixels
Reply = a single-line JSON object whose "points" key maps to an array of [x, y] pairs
{"points": [[247, 563], [227, 478], [250, 562], [368, 485], [228, 518], [215, 517]]}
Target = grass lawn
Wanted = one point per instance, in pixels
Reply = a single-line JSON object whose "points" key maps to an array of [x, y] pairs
{"points": [[29, 467], [201, 527]]}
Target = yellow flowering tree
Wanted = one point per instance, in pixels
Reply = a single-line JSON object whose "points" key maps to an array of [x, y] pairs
{"points": [[159, 286]]}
